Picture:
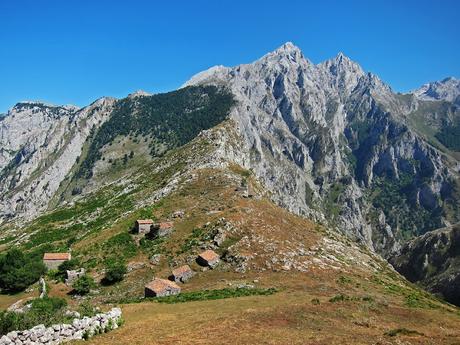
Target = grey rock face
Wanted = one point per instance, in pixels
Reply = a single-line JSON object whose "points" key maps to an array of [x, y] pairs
{"points": [[321, 138], [432, 260], [39, 145], [447, 90]]}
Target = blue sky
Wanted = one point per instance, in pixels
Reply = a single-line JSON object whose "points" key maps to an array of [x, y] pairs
{"points": [[70, 51]]}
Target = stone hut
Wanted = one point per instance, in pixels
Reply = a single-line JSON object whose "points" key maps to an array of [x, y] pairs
{"points": [[162, 229], [161, 287], [143, 226], [208, 258], [73, 275], [53, 260], [182, 274]]}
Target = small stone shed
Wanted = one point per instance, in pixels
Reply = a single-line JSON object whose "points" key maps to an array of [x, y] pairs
{"points": [[182, 274], [53, 260], [208, 258], [73, 275], [143, 226], [161, 287], [162, 229]]}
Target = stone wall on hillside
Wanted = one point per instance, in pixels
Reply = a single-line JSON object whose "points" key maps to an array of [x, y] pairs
{"points": [[57, 334]]}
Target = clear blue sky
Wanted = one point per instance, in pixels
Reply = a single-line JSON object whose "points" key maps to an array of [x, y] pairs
{"points": [[74, 51]]}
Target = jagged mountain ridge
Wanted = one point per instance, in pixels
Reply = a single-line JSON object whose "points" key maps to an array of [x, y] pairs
{"points": [[447, 89], [314, 131], [324, 139], [39, 146]]}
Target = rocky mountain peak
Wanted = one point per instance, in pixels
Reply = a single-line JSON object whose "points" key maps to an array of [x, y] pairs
{"points": [[139, 93], [288, 48], [287, 54], [342, 63], [447, 89]]}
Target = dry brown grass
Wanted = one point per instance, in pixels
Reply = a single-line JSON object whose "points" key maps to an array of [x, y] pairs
{"points": [[287, 317]]}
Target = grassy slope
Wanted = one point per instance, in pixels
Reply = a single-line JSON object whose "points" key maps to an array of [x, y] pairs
{"points": [[376, 300], [380, 301]]}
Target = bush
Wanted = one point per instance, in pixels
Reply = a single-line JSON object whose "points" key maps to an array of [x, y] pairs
{"points": [[83, 285], [66, 266], [45, 311], [18, 271], [115, 273], [86, 309]]}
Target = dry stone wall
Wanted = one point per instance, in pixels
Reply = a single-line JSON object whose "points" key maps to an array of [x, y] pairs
{"points": [[57, 334]]}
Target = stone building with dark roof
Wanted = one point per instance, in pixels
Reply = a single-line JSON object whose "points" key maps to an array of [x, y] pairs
{"points": [[182, 274], [53, 260], [208, 258], [143, 226], [160, 288]]}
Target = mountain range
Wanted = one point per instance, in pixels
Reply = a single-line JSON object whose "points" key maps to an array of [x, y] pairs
{"points": [[328, 142]]}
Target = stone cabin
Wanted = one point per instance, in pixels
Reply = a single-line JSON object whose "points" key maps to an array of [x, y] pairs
{"points": [[182, 274], [208, 258], [143, 226], [162, 229], [53, 260], [161, 287], [73, 275]]}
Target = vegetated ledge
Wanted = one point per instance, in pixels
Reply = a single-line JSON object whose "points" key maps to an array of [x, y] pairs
{"points": [[203, 295]]}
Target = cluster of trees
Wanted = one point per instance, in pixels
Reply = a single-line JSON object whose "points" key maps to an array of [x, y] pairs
{"points": [[172, 119], [450, 137], [19, 270]]}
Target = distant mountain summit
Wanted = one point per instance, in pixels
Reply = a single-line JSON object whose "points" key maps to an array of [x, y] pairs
{"points": [[447, 89]]}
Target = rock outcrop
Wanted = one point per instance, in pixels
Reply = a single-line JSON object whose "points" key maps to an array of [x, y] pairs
{"points": [[433, 261]]}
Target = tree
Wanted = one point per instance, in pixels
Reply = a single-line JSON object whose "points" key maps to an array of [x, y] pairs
{"points": [[115, 272], [18, 271], [83, 285]]}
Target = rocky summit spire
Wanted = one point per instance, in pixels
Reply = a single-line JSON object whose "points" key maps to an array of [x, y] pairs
{"points": [[287, 50]]}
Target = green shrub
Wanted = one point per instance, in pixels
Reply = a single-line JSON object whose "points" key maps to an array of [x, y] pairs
{"points": [[214, 294], [402, 331], [45, 311], [68, 265], [18, 271], [114, 273], [83, 285], [121, 245], [86, 309]]}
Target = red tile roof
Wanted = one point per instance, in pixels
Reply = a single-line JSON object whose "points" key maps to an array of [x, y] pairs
{"points": [[144, 221], [158, 285], [209, 255], [56, 256], [181, 270]]}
